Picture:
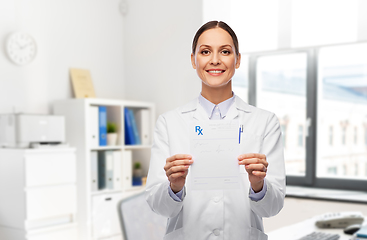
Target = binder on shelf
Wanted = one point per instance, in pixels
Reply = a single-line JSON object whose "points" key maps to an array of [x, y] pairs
{"points": [[94, 126], [129, 132], [105, 170], [117, 169], [127, 169], [135, 128], [94, 170], [109, 169], [142, 121], [101, 170], [102, 125]]}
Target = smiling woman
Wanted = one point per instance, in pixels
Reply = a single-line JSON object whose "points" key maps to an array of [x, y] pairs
{"points": [[215, 62], [233, 213], [215, 56]]}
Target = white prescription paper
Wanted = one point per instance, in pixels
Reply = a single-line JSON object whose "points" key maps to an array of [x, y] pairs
{"points": [[215, 149]]}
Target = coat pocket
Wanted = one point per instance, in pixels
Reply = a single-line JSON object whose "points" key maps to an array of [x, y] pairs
{"points": [[250, 143], [256, 234]]}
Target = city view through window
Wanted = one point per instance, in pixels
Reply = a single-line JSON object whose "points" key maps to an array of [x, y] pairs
{"points": [[341, 104], [342, 112]]}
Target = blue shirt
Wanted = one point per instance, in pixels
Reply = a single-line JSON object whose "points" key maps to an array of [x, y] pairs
{"points": [[218, 112]]}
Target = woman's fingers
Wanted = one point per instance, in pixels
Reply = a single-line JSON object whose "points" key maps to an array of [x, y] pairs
{"points": [[256, 167], [176, 169], [177, 165], [178, 157], [251, 155], [254, 163], [176, 175], [252, 158], [259, 174]]}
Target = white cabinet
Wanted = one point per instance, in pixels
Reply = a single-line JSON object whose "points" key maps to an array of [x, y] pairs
{"points": [[105, 217], [97, 206], [38, 193]]}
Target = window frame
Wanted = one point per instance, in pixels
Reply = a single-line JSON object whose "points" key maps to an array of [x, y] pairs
{"points": [[300, 135], [309, 179]]}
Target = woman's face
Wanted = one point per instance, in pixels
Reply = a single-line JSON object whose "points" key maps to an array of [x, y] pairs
{"points": [[215, 59]]}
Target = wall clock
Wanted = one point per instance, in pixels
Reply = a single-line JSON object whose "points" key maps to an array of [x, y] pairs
{"points": [[21, 48]]}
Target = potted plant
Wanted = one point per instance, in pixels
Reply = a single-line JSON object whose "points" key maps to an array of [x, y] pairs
{"points": [[137, 174], [111, 134]]}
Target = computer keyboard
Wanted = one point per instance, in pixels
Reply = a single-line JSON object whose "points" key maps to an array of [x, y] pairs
{"points": [[320, 236]]}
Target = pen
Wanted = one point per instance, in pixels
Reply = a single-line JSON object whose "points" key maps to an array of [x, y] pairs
{"points": [[239, 134]]}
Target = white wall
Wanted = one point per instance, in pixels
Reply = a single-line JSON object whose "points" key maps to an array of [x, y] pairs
{"points": [[142, 56], [158, 37], [82, 34]]}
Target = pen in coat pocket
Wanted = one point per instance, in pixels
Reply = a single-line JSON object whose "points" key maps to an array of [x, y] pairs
{"points": [[239, 133]]}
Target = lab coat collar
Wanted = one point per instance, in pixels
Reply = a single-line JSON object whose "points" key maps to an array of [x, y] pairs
{"points": [[199, 112]]}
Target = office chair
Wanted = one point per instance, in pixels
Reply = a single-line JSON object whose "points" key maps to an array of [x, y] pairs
{"points": [[138, 221]]}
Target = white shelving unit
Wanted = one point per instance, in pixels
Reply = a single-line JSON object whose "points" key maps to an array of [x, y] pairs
{"points": [[97, 215]]}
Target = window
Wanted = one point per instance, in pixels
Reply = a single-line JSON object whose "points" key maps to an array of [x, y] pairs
{"points": [[322, 94], [356, 169], [331, 135], [344, 135], [342, 101], [281, 88], [332, 170], [345, 169]]}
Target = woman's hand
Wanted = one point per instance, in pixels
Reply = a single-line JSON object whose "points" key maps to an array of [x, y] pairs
{"points": [[256, 166], [177, 169]]}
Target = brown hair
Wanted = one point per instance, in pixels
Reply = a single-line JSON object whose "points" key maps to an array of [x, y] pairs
{"points": [[211, 25]]}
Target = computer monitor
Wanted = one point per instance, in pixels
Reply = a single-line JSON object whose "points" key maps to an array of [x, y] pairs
{"points": [[138, 221]]}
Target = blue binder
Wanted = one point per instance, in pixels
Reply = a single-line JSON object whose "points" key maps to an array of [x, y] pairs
{"points": [[129, 132], [102, 125], [135, 128]]}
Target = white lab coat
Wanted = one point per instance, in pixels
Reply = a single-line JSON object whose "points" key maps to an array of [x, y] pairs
{"points": [[217, 214]]}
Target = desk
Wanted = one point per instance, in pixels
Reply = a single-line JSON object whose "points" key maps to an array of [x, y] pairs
{"points": [[298, 230]]}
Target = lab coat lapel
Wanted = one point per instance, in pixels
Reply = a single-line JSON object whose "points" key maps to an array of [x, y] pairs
{"points": [[237, 107], [232, 112], [194, 111], [200, 113]]}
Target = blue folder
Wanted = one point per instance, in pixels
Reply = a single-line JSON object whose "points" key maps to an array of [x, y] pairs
{"points": [[129, 132], [135, 128], [102, 125]]}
